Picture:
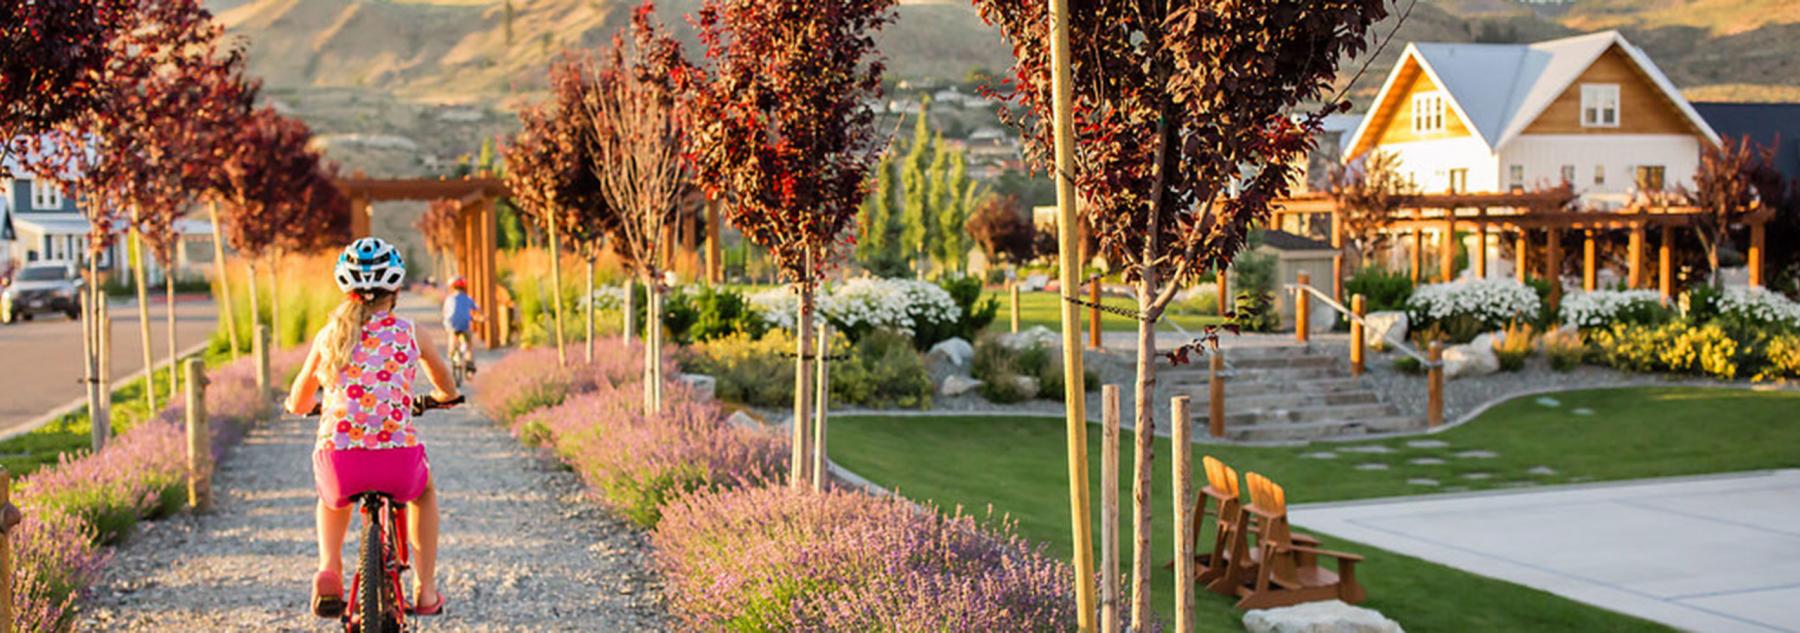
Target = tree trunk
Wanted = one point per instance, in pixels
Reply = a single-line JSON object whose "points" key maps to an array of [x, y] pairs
{"points": [[562, 353], [798, 475], [275, 299], [587, 299], [138, 261], [1144, 433], [227, 310], [255, 301], [630, 309], [652, 345], [169, 328], [104, 335], [90, 350]]}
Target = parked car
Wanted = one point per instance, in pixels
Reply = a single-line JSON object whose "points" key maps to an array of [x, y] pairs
{"points": [[41, 288]]}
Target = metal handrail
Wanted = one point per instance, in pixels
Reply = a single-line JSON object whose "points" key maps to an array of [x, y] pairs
{"points": [[1388, 336]]}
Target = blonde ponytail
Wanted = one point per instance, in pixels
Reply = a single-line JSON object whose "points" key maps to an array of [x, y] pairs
{"points": [[344, 333]]}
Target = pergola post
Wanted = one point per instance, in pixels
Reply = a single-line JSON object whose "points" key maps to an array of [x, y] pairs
{"points": [[1589, 276], [1756, 254], [490, 291], [1634, 269], [1553, 264], [1337, 257], [1521, 255], [715, 267], [1665, 264], [1447, 248], [359, 217], [1418, 255], [1478, 257]]}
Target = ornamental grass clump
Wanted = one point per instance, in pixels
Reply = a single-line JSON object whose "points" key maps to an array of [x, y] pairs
{"points": [[775, 559]]}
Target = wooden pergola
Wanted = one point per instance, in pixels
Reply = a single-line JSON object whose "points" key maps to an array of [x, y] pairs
{"points": [[1524, 215], [476, 240]]}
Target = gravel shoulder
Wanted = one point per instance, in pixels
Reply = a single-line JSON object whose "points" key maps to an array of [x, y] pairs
{"points": [[523, 547]]}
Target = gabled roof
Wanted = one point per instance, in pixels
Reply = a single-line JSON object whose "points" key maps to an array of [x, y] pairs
{"points": [[1500, 89]]}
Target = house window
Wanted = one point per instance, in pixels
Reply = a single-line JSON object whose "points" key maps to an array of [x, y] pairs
{"points": [[1428, 112], [45, 195], [1599, 174], [1515, 175], [1459, 180], [1599, 105], [1648, 178], [1568, 174]]}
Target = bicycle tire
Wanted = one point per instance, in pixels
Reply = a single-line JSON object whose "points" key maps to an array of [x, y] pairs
{"points": [[374, 579]]}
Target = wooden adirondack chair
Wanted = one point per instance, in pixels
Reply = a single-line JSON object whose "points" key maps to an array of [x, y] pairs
{"points": [[1221, 499], [1288, 572]]}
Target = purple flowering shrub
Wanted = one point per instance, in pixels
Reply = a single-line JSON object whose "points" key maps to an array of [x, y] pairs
{"points": [[775, 559], [55, 557], [521, 382]]}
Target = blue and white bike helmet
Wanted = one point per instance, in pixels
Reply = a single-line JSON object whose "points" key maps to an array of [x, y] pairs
{"points": [[369, 264]]}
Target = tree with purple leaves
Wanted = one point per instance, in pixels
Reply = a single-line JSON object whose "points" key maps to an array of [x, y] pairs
{"points": [[1191, 117], [782, 134]]}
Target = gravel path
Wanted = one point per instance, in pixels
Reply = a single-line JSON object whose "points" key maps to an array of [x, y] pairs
{"points": [[522, 547]]}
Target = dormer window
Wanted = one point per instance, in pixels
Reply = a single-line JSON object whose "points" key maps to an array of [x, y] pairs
{"points": [[1599, 105], [45, 195], [1428, 112]]}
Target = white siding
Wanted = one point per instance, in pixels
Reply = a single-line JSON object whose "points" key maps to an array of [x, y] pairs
{"points": [[1428, 163], [1543, 156]]}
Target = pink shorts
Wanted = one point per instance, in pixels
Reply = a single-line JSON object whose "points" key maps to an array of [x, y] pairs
{"points": [[401, 473]]}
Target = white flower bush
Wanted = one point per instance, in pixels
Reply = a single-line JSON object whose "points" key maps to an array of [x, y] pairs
{"points": [[609, 298], [1602, 308], [1759, 305], [900, 305], [1493, 302]]}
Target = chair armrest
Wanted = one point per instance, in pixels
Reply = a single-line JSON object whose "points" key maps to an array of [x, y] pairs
{"points": [[1304, 539], [1323, 552]]}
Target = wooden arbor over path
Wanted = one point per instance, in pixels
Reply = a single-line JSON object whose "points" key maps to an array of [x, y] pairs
{"points": [[1522, 214], [476, 241]]}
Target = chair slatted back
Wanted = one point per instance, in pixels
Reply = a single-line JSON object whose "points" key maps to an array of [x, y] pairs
{"points": [[1268, 502]]}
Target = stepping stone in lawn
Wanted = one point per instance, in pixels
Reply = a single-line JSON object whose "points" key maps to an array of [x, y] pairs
{"points": [[1456, 488], [1582, 411], [1427, 444], [1477, 454], [1372, 449], [1319, 455], [1425, 461], [1422, 481], [1547, 401], [1477, 476], [1541, 471], [1372, 466]]}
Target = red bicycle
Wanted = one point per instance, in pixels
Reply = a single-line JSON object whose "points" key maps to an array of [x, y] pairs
{"points": [[378, 600]]}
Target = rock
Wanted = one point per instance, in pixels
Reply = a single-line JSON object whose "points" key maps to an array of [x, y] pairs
{"points": [[1477, 454], [1331, 616], [1028, 385], [1372, 466], [705, 387], [1423, 481], [956, 385], [1319, 455], [1582, 411], [1547, 401], [1034, 336], [1372, 449], [1034, 283], [1474, 359], [1379, 327], [955, 351], [743, 420], [1542, 471], [1477, 476], [1425, 461]]}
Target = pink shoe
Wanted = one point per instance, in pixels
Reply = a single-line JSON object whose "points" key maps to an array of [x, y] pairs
{"points": [[436, 609]]}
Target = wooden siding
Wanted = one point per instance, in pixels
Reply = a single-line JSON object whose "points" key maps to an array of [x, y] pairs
{"points": [[1392, 118], [1643, 108]]}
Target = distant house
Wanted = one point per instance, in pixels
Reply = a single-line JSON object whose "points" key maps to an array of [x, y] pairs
{"points": [[39, 223], [1592, 110], [1776, 124]]}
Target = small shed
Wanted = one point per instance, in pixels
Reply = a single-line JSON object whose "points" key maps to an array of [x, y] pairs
{"points": [[1293, 254]]}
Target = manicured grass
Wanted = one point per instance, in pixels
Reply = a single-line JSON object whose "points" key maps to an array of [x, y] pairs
{"points": [[1019, 467], [1039, 308]]}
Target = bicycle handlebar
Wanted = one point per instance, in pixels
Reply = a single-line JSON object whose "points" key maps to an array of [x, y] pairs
{"points": [[420, 405]]}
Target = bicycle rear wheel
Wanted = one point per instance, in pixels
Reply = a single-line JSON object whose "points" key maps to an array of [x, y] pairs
{"points": [[374, 579]]}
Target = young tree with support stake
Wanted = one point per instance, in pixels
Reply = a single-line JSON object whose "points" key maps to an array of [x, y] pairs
{"points": [[269, 166], [637, 141], [780, 130], [1190, 131]]}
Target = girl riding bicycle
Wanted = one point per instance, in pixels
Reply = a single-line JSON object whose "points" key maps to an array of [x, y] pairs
{"points": [[363, 363]]}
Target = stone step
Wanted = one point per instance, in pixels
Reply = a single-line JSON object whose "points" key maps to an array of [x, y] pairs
{"points": [[1269, 374], [1301, 415], [1322, 429], [1245, 389], [1284, 399], [1279, 362]]}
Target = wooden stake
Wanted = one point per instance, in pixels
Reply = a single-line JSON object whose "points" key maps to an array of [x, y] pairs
{"points": [[821, 408], [101, 425], [1109, 509], [1434, 385], [1756, 253], [143, 309], [1094, 314], [1418, 256], [1224, 282], [1357, 343], [226, 308], [199, 443], [260, 347], [1183, 489], [562, 354], [1302, 307], [1014, 291], [1074, 389], [798, 477], [1215, 393], [6, 561]]}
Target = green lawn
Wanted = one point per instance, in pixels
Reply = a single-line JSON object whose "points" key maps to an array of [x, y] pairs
{"points": [[1039, 308], [1018, 466]]}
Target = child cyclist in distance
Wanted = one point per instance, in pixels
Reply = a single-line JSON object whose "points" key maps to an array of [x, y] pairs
{"points": [[360, 372], [460, 314]]}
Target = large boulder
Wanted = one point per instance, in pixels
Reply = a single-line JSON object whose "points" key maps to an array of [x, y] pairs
{"points": [[1033, 283], [1475, 359], [956, 385], [1380, 327], [1034, 336], [705, 387], [1331, 616], [954, 351], [1028, 385]]}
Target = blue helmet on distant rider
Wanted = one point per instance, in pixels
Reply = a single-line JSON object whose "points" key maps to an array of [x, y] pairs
{"points": [[369, 264]]}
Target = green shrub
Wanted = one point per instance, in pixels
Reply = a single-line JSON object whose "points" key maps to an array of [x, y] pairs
{"points": [[977, 313], [1255, 312], [883, 371], [721, 312], [999, 368], [1381, 289], [1408, 365], [751, 371]]}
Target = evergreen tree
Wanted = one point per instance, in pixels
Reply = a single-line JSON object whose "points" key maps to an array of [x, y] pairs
{"points": [[879, 247], [915, 216], [953, 211], [939, 199]]}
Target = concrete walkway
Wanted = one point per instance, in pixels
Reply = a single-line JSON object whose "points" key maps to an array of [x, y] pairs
{"points": [[1715, 554]]}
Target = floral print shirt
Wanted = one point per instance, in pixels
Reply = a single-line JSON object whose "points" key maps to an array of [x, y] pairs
{"points": [[369, 404]]}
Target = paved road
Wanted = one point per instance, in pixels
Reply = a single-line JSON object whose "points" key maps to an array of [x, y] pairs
{"points": [[40, 360], [1719, 554], [524, 549]]}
